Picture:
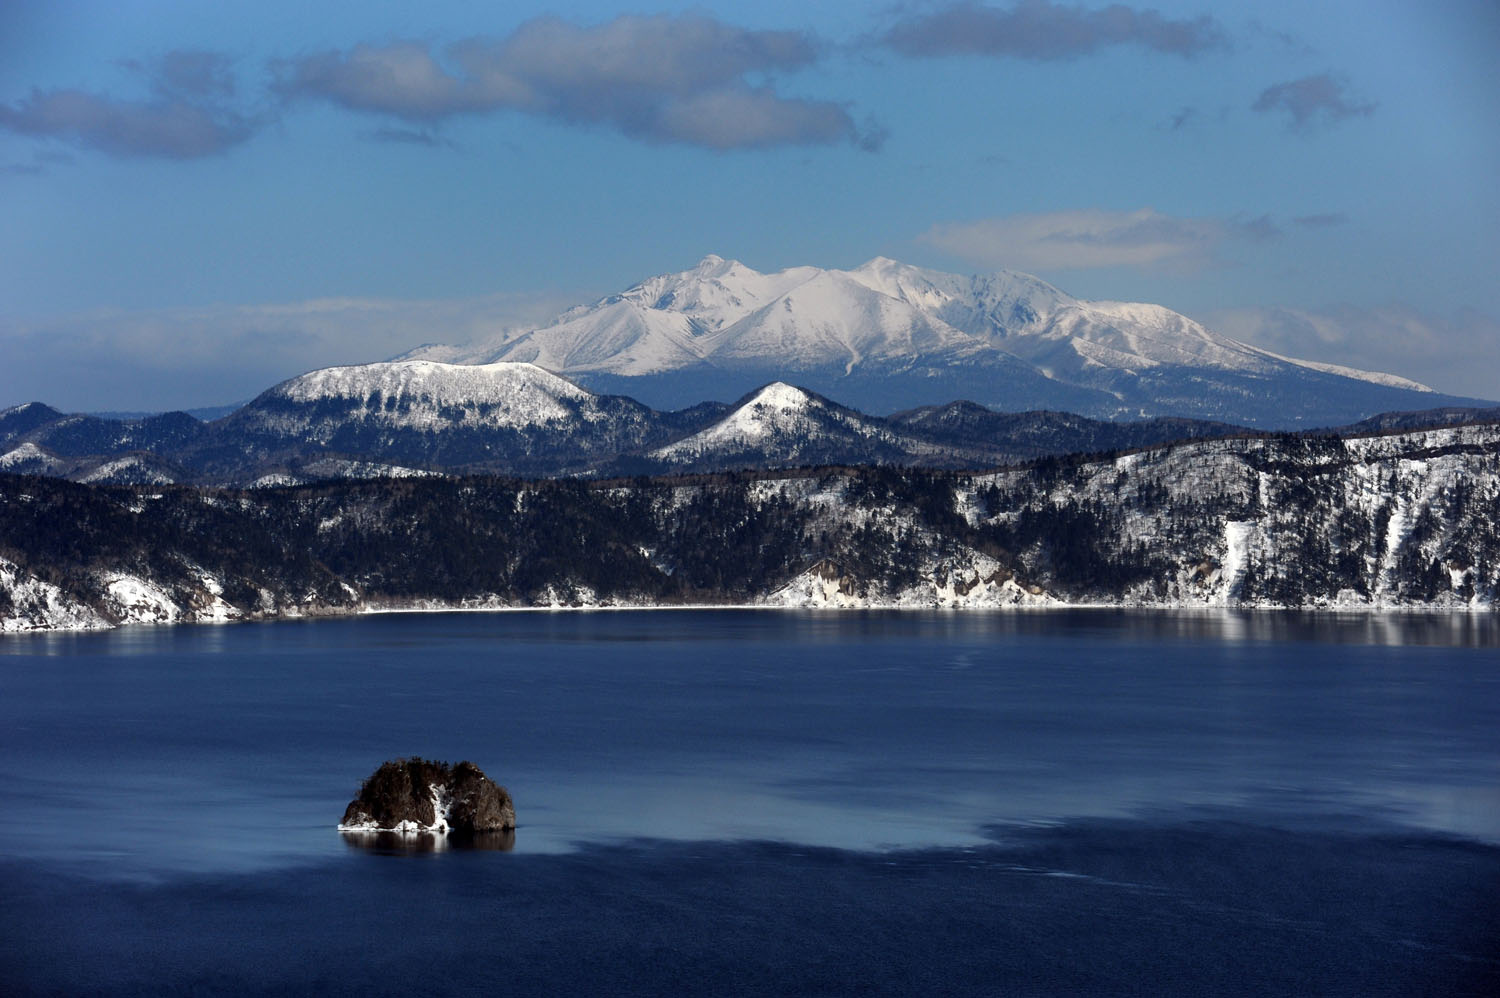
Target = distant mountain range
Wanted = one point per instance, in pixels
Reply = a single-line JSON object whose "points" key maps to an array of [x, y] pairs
{"points": [[416, 417], [887, 336]]}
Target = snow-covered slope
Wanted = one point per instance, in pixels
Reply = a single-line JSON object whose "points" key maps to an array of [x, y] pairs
{"points": [[622, 337], [833, 320], [986, 305], [716, 293], [1375, 377], [130, 469], [29, 459], [887, 335]]}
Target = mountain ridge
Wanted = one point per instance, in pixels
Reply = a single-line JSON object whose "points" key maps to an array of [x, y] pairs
{"points": [[1401, 520], [412, 418], [886, 336]]}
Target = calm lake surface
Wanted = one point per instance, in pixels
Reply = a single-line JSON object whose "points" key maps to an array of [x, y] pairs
{"points": [[763, 801]]}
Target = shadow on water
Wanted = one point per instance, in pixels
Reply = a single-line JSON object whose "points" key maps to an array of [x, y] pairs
{"points": [[415, 843], [1222, 906]]}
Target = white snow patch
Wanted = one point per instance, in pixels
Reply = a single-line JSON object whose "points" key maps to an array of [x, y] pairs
{"points": [[139, 602], [122, 467], [1237, 535], [40, 606], [276, 480], [442, 806], [29, 453]]}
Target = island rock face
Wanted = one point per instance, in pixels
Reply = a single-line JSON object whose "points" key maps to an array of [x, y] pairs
{"points": [[421, 795]]}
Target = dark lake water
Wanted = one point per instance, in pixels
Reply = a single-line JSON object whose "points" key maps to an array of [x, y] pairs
{"points": [[769, 802]]}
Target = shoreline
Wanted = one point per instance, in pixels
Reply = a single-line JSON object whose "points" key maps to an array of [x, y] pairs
{"points": [[1369, 612]]}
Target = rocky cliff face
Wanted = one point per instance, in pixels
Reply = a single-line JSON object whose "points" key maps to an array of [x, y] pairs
{"points": [[1402, 520]]}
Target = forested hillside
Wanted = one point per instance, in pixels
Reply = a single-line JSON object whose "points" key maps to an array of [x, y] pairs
{"points": [[1409, 519]]}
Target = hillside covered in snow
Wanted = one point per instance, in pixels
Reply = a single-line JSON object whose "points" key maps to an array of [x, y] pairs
{"points": [[1377, 521], [887, 336], [421, 417]]}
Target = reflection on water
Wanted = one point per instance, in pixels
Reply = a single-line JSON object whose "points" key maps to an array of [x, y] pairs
{"points": [[419, 634], [1456, 630], [413, 843]]}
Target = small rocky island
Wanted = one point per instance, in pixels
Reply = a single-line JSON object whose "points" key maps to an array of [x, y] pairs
{"points": [[424, 796]]}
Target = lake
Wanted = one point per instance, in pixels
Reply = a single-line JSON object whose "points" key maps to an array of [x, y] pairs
{"points": [[764, 802]]}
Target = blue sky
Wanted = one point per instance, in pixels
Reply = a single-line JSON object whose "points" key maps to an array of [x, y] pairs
{"points": [[197, 200]]}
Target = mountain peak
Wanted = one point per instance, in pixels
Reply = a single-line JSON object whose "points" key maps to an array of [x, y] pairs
{"points": [[780, 396], [880, 271], [714, 265], [30, 409], [778, 417]]}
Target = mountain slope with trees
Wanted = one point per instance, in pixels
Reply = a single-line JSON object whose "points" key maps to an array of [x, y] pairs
{"points": [[1407, 519]]}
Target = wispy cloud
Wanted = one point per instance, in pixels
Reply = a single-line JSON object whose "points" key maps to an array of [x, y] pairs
{"points": [[689, 79], [1437, 350], [184, 118], [1040, 30], [1083, 240], [170, 129], [1311, 101], [188, 74]]}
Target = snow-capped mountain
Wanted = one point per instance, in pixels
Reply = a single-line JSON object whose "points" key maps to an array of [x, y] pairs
{"points": [[780, 426], [389, 419], [423, 395], [415, 418], [887, 336], [416, 414]]}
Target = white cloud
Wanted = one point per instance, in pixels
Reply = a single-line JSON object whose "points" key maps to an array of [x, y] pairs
{"points": [[171, 129], [689, 79], [185, 118]]}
